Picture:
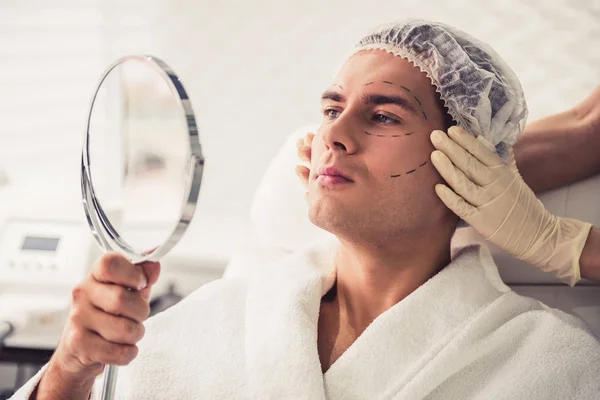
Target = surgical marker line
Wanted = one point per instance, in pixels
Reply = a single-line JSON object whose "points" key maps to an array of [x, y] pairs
{"points": [[417, 99], [410, 171], [370, 134], [404, 134]]}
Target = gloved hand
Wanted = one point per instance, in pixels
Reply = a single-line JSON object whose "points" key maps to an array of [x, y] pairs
{"points": [[492, 197], [304, 148]]}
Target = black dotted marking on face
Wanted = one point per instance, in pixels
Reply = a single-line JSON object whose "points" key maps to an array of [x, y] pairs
{"points": [[425, 115], [388, 82], [405, 88], [418, 101], [340, 86], [409, 172], [370, 83], [404, 134]]}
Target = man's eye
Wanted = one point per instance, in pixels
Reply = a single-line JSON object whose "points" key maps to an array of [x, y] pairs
{"points": [[331, 113], [384, 119]]}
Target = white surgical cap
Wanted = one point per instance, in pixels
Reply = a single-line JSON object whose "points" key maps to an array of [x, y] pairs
{"points": [[482, 94]]}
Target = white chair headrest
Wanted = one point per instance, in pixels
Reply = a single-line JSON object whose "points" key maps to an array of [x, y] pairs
{"points": [[279, 212]]}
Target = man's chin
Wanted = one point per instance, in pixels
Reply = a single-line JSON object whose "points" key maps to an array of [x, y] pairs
{"points": [[329, 217]]}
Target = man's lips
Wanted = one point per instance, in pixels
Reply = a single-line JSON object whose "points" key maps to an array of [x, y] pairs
{"points": [[334, 172], [332, 180]]}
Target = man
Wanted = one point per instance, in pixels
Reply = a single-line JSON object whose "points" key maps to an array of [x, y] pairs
{"points": [[396, 307], [498, 200]]}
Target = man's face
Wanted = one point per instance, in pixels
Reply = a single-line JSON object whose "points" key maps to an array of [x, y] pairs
{"points": [[377, 118]]}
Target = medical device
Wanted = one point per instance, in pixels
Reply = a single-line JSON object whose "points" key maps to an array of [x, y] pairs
{"points": [[45, 250]]}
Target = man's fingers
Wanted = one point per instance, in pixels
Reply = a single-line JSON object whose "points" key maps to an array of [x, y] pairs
{"points": [[455, 203], [115, 329], [116, 269], [91, 348], [457, 180], [461, 158], [119, 301], [474, 146], [152, 271]]}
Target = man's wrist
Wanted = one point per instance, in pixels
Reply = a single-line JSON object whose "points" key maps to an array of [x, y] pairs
{"points": [[58, 383]]}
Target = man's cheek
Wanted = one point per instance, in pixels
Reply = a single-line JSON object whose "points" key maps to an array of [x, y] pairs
{"points": [[403, 160]]}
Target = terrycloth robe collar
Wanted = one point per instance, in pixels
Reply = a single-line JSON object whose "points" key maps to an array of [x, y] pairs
{"points": [[389, 354]]}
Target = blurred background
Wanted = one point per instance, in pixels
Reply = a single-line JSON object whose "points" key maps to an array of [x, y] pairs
{"points": [[254, 71]]}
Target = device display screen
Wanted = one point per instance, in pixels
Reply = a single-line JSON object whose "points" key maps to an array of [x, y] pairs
{"points": [[40, 243]]}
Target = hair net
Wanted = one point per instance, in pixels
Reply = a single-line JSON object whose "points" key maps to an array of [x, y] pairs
{"points": [[482, 94]]}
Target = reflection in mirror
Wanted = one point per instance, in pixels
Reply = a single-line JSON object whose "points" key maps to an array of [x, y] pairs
{"points": [[139, 153]]}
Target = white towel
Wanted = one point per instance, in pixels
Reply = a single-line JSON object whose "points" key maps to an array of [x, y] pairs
{"points": [[461, 335]]}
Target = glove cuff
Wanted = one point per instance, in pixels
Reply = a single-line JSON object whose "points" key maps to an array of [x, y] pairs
{"points": [[571, 238]]}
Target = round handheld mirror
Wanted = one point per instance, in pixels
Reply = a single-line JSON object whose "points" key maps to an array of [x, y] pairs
{"points": [[141, 165]]}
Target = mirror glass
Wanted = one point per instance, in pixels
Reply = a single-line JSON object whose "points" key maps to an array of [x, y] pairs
{"points": [[141, 158]]}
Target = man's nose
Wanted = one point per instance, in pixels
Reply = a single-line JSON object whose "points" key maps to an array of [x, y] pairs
{"points": [[340, 134]]}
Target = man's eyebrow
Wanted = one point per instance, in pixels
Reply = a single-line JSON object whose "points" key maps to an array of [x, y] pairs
{"points": [[334, 96], [375, 99], [379, 99]]}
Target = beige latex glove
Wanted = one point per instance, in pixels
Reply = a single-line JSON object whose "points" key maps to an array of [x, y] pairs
{"points": [[493, 198]]}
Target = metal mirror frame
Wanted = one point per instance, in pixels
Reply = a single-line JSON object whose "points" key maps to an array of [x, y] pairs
{"points": [[104, 232]]}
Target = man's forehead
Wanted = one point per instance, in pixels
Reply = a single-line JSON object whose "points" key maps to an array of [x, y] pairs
{"points": [[378, 66]]}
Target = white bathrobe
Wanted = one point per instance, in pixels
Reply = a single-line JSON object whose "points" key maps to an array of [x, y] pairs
{"points": [[461, 335]]}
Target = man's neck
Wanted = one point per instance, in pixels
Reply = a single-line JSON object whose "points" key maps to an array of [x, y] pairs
{"points": [[372, 279]]}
